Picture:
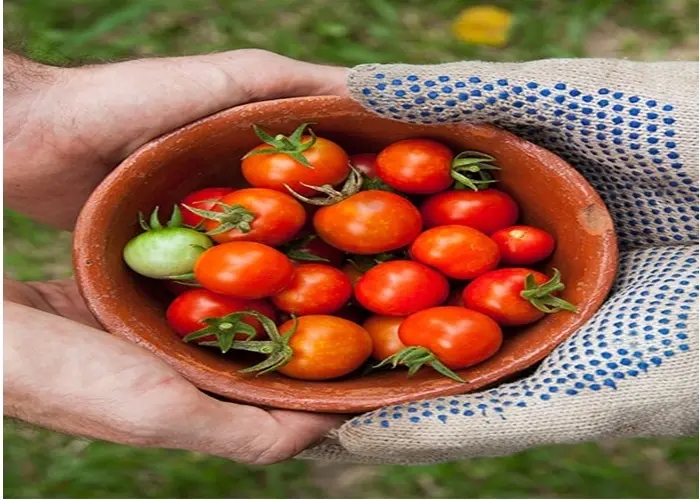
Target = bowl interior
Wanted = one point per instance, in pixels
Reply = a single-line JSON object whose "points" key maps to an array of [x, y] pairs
{"points": [[207, 153]]}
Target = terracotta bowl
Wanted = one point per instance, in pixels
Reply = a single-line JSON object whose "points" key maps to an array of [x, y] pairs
{"points": [[551, 194]]}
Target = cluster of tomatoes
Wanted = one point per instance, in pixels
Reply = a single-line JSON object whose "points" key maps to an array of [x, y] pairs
{"points": [[330, 259]]}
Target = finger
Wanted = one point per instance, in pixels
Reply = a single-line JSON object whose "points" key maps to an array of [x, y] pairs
{"points": [[172, 92], [252, 435]]}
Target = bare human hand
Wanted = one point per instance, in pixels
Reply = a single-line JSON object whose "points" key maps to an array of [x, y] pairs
{"points": [[65, 129]]}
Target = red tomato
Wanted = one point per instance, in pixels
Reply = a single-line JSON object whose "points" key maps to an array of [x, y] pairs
{"points": [[187, 312], [203, 199], [523, 245], [384, 331], [315, 289], [498, 294], [369, 222], [416, 166], [365, 163], [312, 249], [400, 287], [276, 217], [488, 210], [458, 337], [459, 252], [244, 269], [275, 169], [325, 347]]}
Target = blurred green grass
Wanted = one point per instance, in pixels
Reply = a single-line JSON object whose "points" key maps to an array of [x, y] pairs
{"points": [[43, 464]]}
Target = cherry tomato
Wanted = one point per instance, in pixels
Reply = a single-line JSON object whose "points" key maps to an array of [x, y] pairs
{"points": [[523, 245], [315, 289], [384, 331], [459, 252], [255, 214], [498, 294], [369, 222], [416, 166], [365, 163], [244, 270], [458, 337], [204, 199], [488, 210], [325, 347], [401, 287], [186, 314], [327, 163], [314, 249]]}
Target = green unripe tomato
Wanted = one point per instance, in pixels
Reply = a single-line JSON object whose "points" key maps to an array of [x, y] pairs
{"points": [[165, 252]]}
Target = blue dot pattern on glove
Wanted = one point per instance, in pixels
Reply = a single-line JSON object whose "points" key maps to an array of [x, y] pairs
{"points": [[625, 145], [642, 325]]}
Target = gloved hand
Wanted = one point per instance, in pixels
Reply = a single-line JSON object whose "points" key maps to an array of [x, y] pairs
{"points": [[631, 130]]}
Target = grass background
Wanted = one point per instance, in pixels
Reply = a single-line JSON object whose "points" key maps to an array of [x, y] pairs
{"points": [[42, 464]]}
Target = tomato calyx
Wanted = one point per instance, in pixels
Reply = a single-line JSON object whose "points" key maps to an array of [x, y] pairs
{"points": [[414, 358], [352, 186], [225, 329], [229, 218], [292, 146], [541, 296], [154, 224], [277, 349], [364, 263], [471, 170], [295, 252]]}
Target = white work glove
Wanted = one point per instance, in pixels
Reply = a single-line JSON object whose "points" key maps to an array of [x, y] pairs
{"points": [[631, 129]]}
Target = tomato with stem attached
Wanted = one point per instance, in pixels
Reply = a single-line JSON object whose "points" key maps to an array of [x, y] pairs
{"points": [[488, 210], [206, 317], [446, 338], [204, 199], [523, 245], [401, 287], [296, 161], [516, 296], [315, 347], [168, 252], [253, 214], [384, 331], [459, 252], [366, 163], [425, 166], [315, 289], [244, 270]]}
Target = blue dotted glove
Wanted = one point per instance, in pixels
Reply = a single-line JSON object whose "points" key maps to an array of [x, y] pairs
{"points": [[631, 130]]}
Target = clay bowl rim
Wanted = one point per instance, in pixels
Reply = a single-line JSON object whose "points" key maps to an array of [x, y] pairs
{"points": [[91, 279]]}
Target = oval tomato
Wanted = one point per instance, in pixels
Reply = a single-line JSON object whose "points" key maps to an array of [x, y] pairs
{"points": [[401, 287], [369, 222], [488, 210], [458, 337], [325, 347], [384, 331], [186, 314], [416, 166], [498, 294], [459, 252], [315, 289], [244, 270], [523, 245], [204, 199], [275, 163], [254, 214]]}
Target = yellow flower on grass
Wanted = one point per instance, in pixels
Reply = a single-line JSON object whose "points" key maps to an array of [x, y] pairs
{"points": [[483, 25]]}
